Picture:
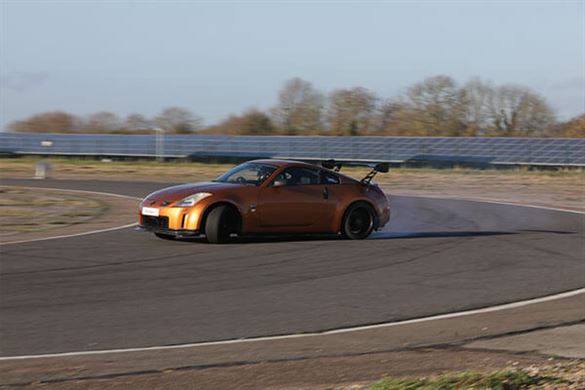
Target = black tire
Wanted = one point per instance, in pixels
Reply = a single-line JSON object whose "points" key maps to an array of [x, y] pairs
{"points": [[358, 222], [220, 223], [165, 236]]}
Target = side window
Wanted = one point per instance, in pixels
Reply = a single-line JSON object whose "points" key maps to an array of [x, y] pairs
{"points": [[329, 178], [299, 176]]}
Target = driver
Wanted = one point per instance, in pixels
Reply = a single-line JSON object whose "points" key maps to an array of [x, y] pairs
{"points": [[263, 174]]}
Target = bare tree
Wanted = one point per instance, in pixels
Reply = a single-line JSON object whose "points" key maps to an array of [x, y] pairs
{"points": [[102, 122], [519, 111], [386, 114], [352, 111], [178, 120], [435, 106], [48, 122], [255, 122], [300, 108], [138, 123], [232, 125], [251, 122], [478, 97], [573, 128]]}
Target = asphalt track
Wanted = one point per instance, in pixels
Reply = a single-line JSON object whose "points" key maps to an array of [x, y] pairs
{"points": [[124, 289]]}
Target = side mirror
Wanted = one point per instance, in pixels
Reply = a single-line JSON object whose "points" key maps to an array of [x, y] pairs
{"points": [[278, 183]]}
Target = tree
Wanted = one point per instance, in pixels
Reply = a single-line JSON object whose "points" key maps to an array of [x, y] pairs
{"points": [[386, 116], [231, 125], [178, 120], [573, 128], [520, 112], [255, 122], [251, 122], [435, 106], [47, 122], [137, 123], [352, 111], [102, 122], [300, 108], [478, 99]]}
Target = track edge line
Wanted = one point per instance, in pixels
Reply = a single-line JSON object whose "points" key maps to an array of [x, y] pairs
{"points": [[489, 309]]}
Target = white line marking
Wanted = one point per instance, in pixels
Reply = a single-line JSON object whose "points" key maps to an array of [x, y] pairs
{"points": [[71, 235], [71, 190], [490, 309], [76, 234]]}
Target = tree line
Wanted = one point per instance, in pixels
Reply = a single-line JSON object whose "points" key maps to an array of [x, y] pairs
{"points": [[435, 106]]}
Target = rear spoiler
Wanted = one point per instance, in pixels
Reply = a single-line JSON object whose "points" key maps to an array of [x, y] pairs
{"points": [[336, 165], [376, 167]]}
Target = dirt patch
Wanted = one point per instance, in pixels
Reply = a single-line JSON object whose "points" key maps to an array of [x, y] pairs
{"points": [[24, 211], [30, 214], [356, 372]]}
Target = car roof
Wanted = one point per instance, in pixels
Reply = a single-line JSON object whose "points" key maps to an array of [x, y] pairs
{"points": [[284, 163], [292, 163]]}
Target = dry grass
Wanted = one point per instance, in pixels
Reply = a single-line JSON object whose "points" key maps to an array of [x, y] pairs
{"points": [[564, 188], [24, 211], [142, 170], [563, 375]]}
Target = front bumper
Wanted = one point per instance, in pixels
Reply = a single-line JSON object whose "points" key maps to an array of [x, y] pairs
{"points": [[161, 225], [173, 218]]}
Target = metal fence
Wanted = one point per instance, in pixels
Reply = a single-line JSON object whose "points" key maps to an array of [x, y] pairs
{"points": [[499, 151]]}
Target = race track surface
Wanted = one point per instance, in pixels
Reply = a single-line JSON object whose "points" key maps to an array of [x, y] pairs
{"points": [[125, 289]]}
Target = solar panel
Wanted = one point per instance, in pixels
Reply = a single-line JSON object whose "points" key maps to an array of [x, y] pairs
{"points": [[497, 150]]}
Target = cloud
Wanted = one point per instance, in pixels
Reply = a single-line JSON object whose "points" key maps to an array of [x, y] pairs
{"points": [[22, 81]]}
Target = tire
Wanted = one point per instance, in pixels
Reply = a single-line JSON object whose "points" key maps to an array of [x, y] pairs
{"points": [[220, 223], [358, 222], [164, 236]]}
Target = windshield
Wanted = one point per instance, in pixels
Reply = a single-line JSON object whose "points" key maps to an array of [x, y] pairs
{"points": [[248, 173]]}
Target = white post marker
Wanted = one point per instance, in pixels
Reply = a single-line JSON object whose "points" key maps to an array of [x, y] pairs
{"points": [[160, 143], [43, 170]]}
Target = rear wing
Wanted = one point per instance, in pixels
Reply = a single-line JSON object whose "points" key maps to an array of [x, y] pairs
{"points": [[376, 167]]}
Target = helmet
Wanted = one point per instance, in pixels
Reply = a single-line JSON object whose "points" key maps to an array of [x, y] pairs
{"points": [[263, 173]]}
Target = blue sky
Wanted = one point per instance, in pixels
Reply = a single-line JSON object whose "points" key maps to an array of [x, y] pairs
{"points": [[217, 58]]}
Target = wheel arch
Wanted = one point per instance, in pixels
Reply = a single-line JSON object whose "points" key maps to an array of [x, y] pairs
{"points": [[365, 202], [214, 205]]}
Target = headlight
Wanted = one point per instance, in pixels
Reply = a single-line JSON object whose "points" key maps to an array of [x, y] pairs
{"points": [[192, 199]]}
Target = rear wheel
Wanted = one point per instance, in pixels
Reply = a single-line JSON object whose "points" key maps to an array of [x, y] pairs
{"points": [[358, 222], [220, 223]]}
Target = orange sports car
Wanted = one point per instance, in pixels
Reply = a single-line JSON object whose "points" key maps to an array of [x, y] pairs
{"points": [[269, 197]]}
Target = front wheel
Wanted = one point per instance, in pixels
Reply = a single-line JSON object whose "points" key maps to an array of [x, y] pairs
{"points": [[220, 223], [358, 222]]}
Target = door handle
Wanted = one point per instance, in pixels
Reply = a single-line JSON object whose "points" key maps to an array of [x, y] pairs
{"points": [[325, 193]]}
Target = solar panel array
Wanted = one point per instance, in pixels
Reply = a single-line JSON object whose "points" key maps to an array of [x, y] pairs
{"points": [[531, 151]]}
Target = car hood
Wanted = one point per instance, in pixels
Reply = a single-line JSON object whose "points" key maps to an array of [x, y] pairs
{"points": [[176, 193]]}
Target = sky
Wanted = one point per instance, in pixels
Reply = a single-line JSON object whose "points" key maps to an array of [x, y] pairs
{"points": [[224, 57]]}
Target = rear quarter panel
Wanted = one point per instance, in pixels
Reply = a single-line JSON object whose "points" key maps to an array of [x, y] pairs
{"points": [[348, 193]]}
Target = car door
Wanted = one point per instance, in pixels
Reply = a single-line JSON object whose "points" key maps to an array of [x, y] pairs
{"points": [[332, 193], [295, 199]]}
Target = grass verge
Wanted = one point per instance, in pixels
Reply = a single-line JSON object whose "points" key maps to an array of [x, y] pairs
{"points": [[504, 380], [564, 188], [24, 166]]}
